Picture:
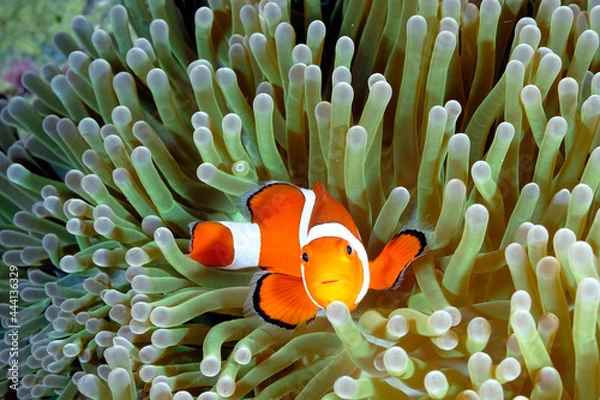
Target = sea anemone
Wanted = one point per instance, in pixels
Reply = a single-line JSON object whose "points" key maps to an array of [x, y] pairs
{"points": [[478, 120]]}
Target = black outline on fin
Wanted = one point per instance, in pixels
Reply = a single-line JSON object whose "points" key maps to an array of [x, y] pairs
{"points": [[260, 189], [419, 235], [247, 198], [422, 241], [192, 225], [261, 312]]}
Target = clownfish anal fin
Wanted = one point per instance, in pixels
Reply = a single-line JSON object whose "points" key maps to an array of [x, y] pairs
{"points": [[280, 300], [387, 269]]}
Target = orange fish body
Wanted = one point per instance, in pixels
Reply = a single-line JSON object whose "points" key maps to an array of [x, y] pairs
{"points": [[309, 250]]}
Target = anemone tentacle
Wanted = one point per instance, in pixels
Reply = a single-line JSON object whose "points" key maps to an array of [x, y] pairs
{"points": [[479, 121]]}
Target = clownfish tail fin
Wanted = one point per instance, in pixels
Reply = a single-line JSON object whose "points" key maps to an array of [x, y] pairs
{"points": [[211, 244], [225, 244], [387, 269]]}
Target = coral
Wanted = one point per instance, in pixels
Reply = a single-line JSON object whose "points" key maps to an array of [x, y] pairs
{"points": [[13, 73], [479, 121], [26, 30]]}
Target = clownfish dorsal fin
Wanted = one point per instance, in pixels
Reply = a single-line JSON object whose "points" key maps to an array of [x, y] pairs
{"points": [[280, 300], [327, 209], [387, 269], [277, 209], [274, 201]]}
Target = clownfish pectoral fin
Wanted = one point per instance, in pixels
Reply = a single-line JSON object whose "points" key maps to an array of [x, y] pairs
{"points": [[388, 267], [280, 300]]}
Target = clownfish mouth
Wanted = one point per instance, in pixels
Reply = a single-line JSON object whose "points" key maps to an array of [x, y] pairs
{"points": [[330, 281]]}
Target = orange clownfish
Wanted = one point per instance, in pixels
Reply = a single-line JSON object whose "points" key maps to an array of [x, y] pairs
{"points": [[309, 250]]}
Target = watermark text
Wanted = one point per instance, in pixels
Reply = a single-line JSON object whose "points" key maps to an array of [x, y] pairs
{"points": [[13, 327]]}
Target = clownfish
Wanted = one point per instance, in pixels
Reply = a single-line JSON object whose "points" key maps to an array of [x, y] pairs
{"points": [[309, 251]]}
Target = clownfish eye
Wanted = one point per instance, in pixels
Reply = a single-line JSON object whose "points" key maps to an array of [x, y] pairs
{"points": [[305, 257], [348, 250]]}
